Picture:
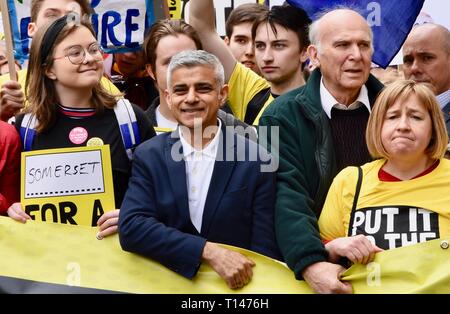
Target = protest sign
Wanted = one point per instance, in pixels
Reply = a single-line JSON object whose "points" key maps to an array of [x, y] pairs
{"points": [[119, 27], [67, 185]]}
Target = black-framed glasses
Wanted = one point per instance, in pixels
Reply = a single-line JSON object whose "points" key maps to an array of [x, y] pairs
{"points": [[77, 54]]}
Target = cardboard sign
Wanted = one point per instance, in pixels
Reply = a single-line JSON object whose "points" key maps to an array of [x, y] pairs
{"points": [[68, 186], [119, 27]]}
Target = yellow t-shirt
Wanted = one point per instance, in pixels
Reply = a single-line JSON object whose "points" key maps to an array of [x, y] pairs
{"points": [[392, 214], [244, 84], [22, 75]]}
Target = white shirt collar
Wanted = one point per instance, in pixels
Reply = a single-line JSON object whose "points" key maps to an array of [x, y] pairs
{"points": [[209, 151], [328, 101]]}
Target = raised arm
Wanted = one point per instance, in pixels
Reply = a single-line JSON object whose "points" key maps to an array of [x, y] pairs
{"points": [[202, 18]]}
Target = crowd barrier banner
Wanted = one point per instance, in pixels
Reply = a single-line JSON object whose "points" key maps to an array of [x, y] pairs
{"points": [[119, 27], [67, 185], [54, 258]]}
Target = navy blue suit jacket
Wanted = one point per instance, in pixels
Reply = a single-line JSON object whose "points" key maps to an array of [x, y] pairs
{"points": [[446, 111], [239, 209]]}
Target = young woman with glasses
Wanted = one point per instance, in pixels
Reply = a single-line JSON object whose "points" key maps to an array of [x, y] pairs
{"points": [[70, 105]]}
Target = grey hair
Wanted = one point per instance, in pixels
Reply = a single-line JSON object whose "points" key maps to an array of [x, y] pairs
{"points": [[314, 28], [193, 58]]}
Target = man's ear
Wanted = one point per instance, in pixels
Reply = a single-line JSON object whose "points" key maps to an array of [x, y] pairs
{"points": [[223, 94], [227, 40], [32, 29], [149, 69], [304, 55], [167, 97], [313, 55]]}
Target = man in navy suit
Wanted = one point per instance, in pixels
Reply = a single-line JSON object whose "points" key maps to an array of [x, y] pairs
{"points": [[200, 185]]}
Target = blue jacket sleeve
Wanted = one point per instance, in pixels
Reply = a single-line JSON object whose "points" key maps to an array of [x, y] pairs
{"points": [[141, 230], [263, 233]]}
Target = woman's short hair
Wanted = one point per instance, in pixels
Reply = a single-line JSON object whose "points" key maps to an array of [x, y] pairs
{"points": [[401, 90]]}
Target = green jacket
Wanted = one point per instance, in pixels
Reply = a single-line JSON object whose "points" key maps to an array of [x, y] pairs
{"points": [[306, 169]]}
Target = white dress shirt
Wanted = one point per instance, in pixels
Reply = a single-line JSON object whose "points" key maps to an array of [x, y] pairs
{"points": [[199, 169], [329, 102]]}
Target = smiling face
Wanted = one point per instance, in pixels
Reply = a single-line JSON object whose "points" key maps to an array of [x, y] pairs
{"points": [[84, 75], [407, 129], [194, 97]]}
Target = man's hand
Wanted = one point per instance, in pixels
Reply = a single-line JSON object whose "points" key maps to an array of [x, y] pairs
{"points": [[107, 224], [16, 212], [233, 267], [357, 249], [323, 277], [12, 100]]}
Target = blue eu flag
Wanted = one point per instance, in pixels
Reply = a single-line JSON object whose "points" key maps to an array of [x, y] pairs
{"points": [[391, 21]]}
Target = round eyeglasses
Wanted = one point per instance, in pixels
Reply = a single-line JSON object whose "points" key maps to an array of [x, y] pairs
{"points": [[77, 54]]}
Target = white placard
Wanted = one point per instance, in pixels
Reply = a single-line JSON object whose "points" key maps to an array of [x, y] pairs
{"points": [[62, 174]]}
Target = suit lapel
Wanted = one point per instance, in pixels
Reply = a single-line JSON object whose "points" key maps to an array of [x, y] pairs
{"points": [[220, 177], [177, 173], [446, 111]]}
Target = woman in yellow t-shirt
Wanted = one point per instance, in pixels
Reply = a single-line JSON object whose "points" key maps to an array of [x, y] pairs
{"points": [[402, 197]]}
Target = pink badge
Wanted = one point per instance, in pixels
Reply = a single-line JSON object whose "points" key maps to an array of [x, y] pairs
{"points": [[78, 135]]}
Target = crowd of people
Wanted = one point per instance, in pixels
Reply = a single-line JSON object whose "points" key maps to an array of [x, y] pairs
{"points": [[277, 139]]}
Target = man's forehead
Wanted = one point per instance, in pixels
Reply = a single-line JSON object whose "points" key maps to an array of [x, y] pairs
{"points": [[346, 35], [242, 29], [343, 22], [184, 82], [423, 45], [265, 32], [202, 73], [62, 6]]}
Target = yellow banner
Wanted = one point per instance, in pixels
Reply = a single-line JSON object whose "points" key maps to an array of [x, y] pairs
{"points": [[175, 8], [419, 268], [68, 185], [71, 255]]}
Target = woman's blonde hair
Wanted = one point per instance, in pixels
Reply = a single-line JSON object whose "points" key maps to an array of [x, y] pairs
{"points": [[40, 90], [401, 90]]}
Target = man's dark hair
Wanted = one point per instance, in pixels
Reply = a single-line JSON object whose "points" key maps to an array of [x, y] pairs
{"points": [[245, 13], [289, 17]]}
